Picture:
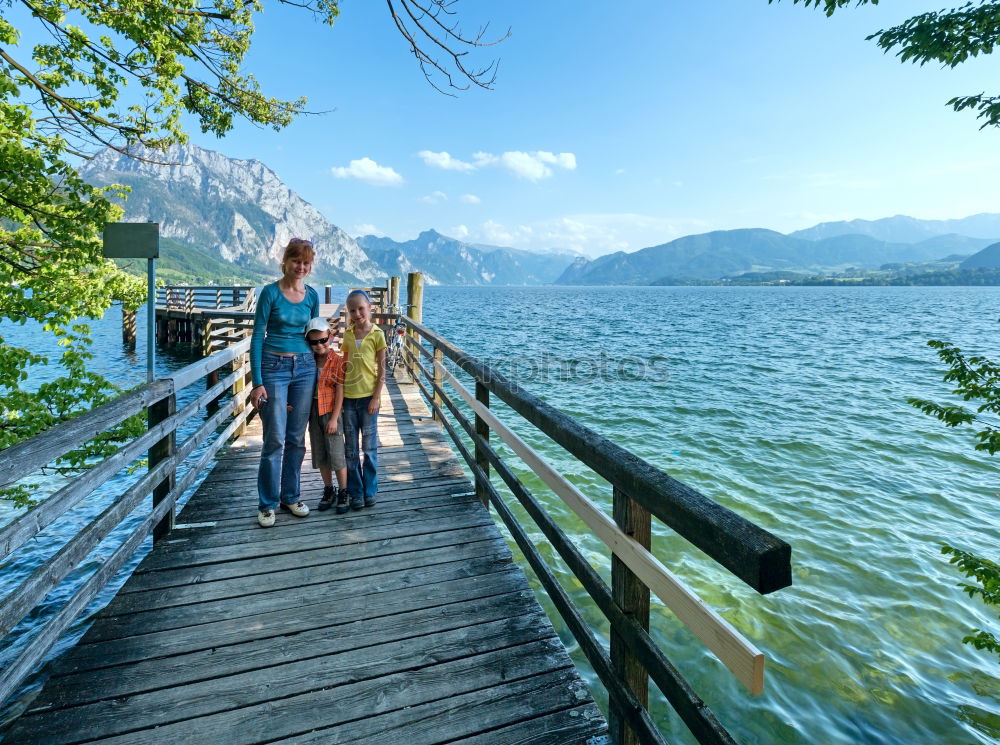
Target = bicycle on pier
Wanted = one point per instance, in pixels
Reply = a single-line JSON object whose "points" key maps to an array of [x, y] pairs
{"points": [[394, 342]]}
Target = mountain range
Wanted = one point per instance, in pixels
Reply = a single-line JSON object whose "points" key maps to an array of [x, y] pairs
{"points": [[225, 220], [223, 217], [448, 261], [727, 253]]}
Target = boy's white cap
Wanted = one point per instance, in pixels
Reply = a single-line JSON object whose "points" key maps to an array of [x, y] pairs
{"points": [[317, 324]]}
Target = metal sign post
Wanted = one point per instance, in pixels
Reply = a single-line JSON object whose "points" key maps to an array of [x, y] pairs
{"points": [[138, 240]]}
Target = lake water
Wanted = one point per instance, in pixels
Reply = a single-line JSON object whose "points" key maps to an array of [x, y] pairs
{"points": [[788, 406]]}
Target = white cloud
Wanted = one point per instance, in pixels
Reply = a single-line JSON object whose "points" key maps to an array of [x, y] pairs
{"points": [[619, 171], [563, 160], [367, 170], [366, 228], [445, 161], [531, 166], [459, 231], [470, 199], [525, 166], [434, 198]]}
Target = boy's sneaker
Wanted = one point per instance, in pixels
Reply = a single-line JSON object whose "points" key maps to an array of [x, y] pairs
{"points": [[299, 509], [342, 502], [265, 518], [326, 502], [370, 501], [357, 502]]}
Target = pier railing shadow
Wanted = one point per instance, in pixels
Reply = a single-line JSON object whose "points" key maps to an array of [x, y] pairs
{"points": [[640, 493], [224, 370]]}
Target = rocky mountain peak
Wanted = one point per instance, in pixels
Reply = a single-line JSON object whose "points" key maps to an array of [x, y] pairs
{"points": [[238, 210]]}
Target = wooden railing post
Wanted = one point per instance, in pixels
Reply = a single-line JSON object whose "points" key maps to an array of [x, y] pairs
{"points": [[632, 596], [213, 377], [439, 382], [483, 430], [160, 451], [239, 386]]}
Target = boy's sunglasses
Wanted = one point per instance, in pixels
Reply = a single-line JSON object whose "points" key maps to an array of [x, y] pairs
{"points": [[317, 342]]}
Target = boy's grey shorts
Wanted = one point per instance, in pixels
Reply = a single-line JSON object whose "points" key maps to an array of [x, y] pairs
{"points": [[327, 450]]}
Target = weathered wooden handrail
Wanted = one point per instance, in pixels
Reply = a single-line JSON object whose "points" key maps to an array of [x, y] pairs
{"points": [[636, 654], [753, 554], [742, 658], [190, 297], [158, 398]]}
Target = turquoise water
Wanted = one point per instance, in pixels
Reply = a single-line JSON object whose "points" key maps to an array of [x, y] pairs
{"points": [[786, 405]]}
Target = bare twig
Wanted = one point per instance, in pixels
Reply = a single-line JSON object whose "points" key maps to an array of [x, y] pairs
{"points": [[420, 23]]}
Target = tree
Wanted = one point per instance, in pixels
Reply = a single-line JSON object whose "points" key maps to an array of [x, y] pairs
{"points": [[63, 102], [976, 379], [949, 37]]}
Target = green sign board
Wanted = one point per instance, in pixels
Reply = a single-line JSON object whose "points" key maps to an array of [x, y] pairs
{"points": [[132, 240]]}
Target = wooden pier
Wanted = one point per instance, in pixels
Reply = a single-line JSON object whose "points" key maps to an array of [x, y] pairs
{"points": [[406, 622]]}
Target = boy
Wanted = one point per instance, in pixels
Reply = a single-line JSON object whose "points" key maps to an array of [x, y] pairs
{"points": [[326, 429]]}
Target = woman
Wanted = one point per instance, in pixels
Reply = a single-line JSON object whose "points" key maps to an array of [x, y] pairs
{"points": [[284, 373]]}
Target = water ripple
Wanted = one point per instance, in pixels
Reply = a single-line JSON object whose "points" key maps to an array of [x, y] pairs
{"points": [[788, 405]]}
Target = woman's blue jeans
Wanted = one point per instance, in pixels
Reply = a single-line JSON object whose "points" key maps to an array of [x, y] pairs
{"points": [[289, 381], [362, 479]]}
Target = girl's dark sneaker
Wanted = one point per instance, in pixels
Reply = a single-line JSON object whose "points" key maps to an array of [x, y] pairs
{"points": [[370, 501], [342, 502], [326, 501], [357, 502]]}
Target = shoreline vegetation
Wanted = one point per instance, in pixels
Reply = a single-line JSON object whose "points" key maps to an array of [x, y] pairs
{"points": [[880, 278]]}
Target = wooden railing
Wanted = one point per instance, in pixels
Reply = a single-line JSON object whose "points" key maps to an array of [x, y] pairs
{"points": [[165, 454], [640, 492], [189, 298]]}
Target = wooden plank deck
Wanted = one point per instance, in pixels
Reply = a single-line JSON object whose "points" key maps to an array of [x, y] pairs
{"points": [[407, 622]]}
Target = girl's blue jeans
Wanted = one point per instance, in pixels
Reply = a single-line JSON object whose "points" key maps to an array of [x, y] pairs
{"points": [[289, 381], [362, 479]]}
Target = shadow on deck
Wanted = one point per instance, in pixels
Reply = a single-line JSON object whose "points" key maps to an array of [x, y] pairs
{"points": [[407, 622]]}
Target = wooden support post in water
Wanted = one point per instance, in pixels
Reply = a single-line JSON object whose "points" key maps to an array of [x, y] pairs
{"points": [[438, 381], [414, 308], [128, 328], [483, 430], [328, 294], [394, 292], [162, 450], [415, 296], [632, 596]]}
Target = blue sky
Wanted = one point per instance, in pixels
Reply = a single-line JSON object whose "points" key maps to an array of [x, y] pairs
{"points": [[616, 127]]}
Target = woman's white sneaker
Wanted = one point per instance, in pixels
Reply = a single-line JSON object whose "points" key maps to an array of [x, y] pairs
{"points": [[299, 509], [265, 518]]}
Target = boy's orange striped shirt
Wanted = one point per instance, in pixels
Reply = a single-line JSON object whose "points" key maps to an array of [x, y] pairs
{"points": [[330, 375]]}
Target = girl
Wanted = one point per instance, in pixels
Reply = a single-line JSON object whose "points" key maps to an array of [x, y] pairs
{"points": [[364, 361], [284, 375]]}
